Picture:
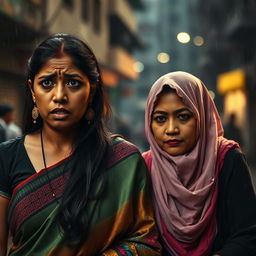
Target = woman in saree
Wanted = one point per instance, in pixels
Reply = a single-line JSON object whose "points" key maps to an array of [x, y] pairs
{"points": [[67, 187], [204, 199]]}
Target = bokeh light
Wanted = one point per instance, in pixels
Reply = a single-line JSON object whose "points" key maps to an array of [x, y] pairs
{"points": [[138, 66], [163, 57], [198, 40], [183, 37]]}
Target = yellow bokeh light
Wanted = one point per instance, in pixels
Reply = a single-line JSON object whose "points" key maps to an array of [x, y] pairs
{"points": [[198, 40], [231, 80], [183, 37], [163, 57]]}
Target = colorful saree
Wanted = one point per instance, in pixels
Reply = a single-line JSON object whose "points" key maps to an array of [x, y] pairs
{"points": [[121, 223]]}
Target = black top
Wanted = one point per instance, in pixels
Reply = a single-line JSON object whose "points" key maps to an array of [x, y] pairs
{"points": [[13, 153], [2, 134], [236, 209]]}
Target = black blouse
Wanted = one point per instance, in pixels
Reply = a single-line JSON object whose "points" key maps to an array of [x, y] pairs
{"points": [[236, 209]]}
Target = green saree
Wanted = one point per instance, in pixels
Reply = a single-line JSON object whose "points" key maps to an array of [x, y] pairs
{"points": [[121, 223]]}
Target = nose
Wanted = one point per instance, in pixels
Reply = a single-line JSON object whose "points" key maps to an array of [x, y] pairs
{"points": [[172, 127], [60, 94]]}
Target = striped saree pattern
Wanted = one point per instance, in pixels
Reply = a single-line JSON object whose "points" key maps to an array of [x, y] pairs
{"points": [[121, 223]]}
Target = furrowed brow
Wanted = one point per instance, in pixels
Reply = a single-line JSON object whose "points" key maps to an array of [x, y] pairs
{"points": [[47, 76], [72, 75]]}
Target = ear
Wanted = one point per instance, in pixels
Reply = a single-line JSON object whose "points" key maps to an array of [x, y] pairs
{"points": [[30, 85]]}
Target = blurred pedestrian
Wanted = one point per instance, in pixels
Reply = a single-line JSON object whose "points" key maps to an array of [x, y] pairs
{"points": [[5, 118], [8, 129], [67, 186], [14, 131], [232, 131], [204, 198]]}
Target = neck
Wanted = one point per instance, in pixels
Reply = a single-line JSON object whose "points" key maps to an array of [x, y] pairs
{"points": [[58, 140]]}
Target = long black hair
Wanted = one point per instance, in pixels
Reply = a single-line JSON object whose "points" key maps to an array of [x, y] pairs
{"points": [[92, 146]]}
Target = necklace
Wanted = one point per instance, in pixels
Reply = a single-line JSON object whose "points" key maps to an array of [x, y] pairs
{"points": [[43, 154]]}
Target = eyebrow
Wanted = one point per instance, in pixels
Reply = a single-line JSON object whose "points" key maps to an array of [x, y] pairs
{"points": [[47, 77], [72, 75], [175, 112], [54, 75]]}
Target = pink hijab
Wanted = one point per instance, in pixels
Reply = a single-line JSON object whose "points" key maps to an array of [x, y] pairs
{"points": [[186, 186]]}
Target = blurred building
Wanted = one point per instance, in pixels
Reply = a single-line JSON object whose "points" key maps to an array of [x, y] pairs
{"points": [[159, 26], [108, 26], [19, 27], [230, 60]]}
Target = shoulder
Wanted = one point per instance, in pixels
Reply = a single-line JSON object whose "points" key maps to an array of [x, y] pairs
{"points": [[122, 150], [235, 166], [9, 150], [10, 145], [8, 153], [233, 156], [120, 144], [126, 165]]}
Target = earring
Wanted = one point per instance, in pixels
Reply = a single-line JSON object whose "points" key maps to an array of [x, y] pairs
{"points": [[89, 115], [35, 113]]}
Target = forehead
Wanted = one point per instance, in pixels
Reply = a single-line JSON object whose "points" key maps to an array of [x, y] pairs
{"points": [[169, 100], [63, 63]]}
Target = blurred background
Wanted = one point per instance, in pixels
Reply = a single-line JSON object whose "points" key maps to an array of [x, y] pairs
{"points": [[136, 41]]}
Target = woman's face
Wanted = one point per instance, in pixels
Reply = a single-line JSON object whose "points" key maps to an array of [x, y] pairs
{"points": [[61, 92], [173, 125]]}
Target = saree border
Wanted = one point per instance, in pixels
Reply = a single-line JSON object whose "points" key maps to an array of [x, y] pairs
{"points": [[121, 150], [35, 193]]}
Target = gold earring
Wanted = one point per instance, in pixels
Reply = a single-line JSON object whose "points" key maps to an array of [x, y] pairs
{"points": [[89, 115], [35, 113]]}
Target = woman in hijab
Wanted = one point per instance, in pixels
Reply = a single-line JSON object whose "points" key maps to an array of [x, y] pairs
{"points": [[204, 199]]}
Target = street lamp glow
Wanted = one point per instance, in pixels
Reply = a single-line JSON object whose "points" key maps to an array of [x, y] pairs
{"points": [[183, 37], [163, 57], [198, 40], [138, 66]]}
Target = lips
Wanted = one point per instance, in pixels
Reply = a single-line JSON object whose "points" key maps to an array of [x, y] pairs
{"points": [[173, 142], [60, 113]]}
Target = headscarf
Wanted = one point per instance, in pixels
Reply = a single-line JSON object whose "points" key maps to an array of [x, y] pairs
{"points": [[186, 186]]}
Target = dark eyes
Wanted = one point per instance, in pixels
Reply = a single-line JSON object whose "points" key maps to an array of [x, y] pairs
{"points": [[46, 84], [160, 119], [184, 117], [181, 117], [71, 83]]}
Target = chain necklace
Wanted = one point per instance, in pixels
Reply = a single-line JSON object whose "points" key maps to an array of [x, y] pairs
{"points": [[43, 154]]}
